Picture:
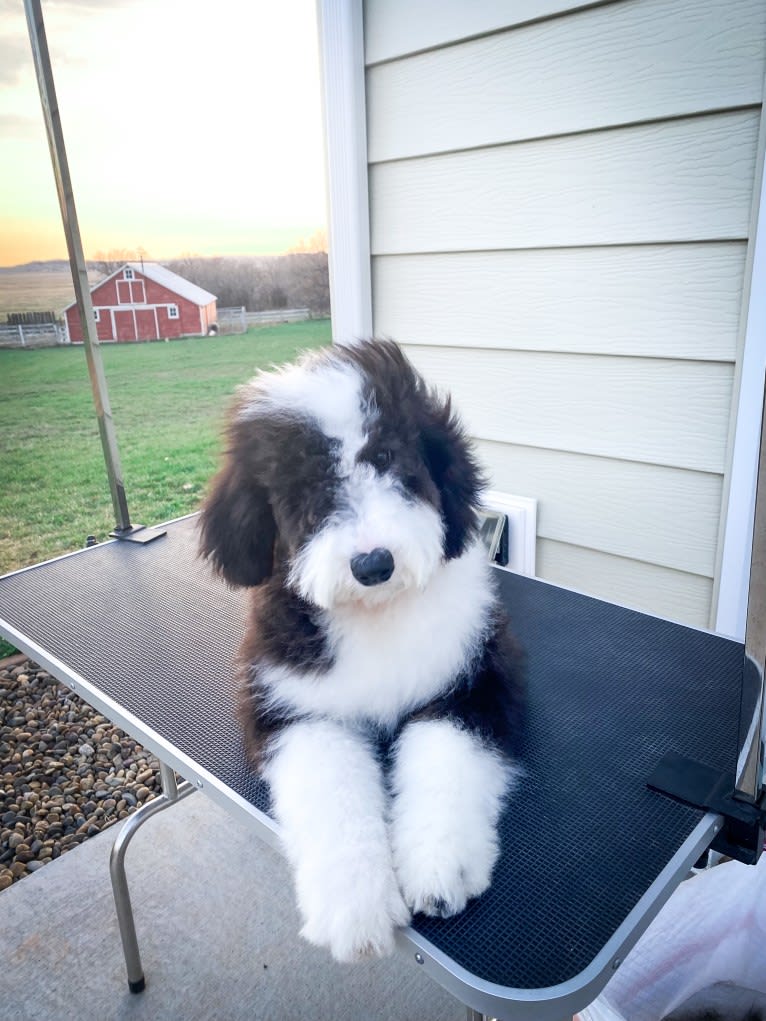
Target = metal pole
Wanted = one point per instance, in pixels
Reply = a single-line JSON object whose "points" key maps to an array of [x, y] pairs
{"points": [[750, 778], [79, 270], [123, 528]]}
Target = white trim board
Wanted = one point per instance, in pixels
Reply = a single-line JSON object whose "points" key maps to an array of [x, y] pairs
{"points": [[730, 602], [341, 56]]}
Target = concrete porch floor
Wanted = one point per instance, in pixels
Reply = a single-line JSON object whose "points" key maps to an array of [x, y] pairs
{"points": [[217, 928]]}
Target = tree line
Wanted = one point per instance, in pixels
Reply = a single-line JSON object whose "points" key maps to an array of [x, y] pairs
{"points": [[295, 280]]}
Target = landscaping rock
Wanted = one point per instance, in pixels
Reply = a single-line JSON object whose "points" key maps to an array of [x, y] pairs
{"points": [[62, 768]]}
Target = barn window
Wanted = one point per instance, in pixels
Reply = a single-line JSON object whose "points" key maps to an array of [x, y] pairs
{"points": [[128, 274], [172, 311], [97, 314]]}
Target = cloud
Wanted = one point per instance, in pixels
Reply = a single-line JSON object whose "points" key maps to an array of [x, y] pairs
{"points": [[64, 5], [13, 125], [15, 55]]}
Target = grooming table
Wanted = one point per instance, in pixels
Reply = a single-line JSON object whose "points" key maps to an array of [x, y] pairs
{"points": [[145, 634]]}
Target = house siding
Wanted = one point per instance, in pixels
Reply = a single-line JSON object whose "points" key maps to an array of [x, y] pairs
{"points": [[560, 213]]}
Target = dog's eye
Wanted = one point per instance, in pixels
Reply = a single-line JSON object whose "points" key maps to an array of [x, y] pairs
{"points": [[382, 459]]}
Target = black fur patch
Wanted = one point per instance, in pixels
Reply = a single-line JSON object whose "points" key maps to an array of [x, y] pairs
{"points": [[423, 442]]}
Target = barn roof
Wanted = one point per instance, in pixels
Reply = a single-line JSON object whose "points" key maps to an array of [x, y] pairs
{"points": [[165, 277]]}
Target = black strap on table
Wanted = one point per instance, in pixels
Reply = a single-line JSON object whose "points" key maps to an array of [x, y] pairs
{"points": [[693, 783]]}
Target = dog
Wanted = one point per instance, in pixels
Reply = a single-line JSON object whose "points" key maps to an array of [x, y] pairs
{"points": [[378, 681]]}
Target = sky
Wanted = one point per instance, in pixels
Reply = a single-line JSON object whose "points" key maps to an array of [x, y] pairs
{"points": [[191, 127]]}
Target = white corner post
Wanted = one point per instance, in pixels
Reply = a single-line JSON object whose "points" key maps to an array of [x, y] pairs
{"points": [[341, 53], [741, 592], [739, 506]]}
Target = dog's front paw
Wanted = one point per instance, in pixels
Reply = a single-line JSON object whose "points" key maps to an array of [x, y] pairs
{"points": [[448, 791], [441, 883], [358, 921]]}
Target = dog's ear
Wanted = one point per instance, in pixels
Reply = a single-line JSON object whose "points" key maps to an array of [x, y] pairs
{"points": [[449, 457], [237, 525]]}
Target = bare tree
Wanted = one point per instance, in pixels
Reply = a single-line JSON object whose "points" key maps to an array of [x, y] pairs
{"points": [[297, 280], [316, 243], [108, 262]]}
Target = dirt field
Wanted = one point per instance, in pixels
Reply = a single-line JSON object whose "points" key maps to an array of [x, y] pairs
{"points": [[36, 290]]}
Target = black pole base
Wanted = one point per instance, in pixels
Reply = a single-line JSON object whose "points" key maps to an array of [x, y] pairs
{"points": [[138, 986], [138, 533]]}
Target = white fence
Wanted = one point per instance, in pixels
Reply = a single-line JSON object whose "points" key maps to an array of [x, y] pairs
{"points": [[238, 320], [32, 335]]}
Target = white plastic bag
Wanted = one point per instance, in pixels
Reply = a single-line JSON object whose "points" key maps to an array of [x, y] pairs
{"points": [[713, 929]]}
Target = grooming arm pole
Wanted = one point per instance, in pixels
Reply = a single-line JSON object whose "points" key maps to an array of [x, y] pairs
{"points": [[123, 528]]}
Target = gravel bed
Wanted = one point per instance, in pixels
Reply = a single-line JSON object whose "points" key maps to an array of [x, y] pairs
{"points": [[66, 772]]}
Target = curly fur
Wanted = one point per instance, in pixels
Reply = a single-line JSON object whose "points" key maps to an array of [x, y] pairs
{"points": [[378, 692]]}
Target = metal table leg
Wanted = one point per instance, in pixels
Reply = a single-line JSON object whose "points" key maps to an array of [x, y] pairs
{"points": [[171, 793]]}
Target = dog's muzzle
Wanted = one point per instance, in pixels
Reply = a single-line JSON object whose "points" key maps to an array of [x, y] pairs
{"points": [[372, 568]]}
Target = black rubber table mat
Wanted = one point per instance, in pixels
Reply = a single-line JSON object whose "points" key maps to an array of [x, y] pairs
{"points": [[609, 692]]}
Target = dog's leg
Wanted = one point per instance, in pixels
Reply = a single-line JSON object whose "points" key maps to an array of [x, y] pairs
{"points": [[330, 802], [448, 790]]}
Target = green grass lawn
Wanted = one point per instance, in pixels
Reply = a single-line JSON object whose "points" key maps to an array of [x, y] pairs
{"points": [[168, 403]]}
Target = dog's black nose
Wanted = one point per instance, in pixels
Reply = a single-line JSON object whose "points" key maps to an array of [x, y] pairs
{"points": [[372, 568]]}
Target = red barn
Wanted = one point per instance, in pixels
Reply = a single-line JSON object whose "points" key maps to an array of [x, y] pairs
{"points": [[145, 301]]}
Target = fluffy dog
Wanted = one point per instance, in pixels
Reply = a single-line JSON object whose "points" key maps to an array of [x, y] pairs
{"points": [[377, 688]]}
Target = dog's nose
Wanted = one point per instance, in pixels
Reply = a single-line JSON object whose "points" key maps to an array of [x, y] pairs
{"points": [[372, 568]]}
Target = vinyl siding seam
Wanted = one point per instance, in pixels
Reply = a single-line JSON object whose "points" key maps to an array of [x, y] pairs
{"points": [[568, 353], [653, 461], [594, 353], [715, 240], [624, 557], [602, 457], [573, 11], [678, 242], [599, 129]]}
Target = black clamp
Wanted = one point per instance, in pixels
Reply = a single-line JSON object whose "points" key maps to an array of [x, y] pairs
{"points": [[700, 786]]}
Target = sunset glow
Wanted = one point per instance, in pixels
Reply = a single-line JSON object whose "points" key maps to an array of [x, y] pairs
{"points": [[190, 127]]}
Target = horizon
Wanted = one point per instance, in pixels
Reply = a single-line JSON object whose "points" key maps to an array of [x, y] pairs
{"points": [[196, 134], [148, 257]]}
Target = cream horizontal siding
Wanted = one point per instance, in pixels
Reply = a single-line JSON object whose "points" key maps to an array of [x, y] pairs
{"points": [[661, 412], [394, 27], [665, 516], [560, 208], [657, 590], [605, 66], [676, 181], [667, 301]]}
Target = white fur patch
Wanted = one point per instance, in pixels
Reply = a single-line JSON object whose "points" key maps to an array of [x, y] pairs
{"points": [[397, 655], [330, 802], [448, 791], [329, 394]]}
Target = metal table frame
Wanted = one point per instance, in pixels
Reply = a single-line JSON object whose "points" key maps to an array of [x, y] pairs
{"points": [[482, 998]]}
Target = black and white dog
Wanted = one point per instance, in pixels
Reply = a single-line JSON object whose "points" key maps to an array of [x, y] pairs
{"points": [[378, 692]]}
